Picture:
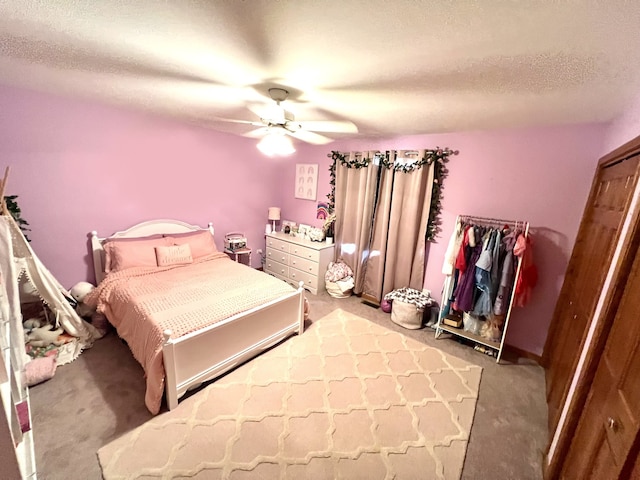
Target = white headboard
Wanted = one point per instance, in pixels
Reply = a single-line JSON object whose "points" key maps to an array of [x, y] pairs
{"points": [[144, 229]]}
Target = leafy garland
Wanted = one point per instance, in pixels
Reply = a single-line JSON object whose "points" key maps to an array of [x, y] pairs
{"points": [[16, 213], [440, 156]]}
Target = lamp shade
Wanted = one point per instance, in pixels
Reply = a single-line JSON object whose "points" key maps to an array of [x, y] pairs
{"points": [[274, 213]]}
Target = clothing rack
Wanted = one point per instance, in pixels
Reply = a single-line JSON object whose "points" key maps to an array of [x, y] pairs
{"points": [[495, 347], [492, 222]]}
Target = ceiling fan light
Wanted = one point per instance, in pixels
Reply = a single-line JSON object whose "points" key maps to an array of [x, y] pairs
{"points": [[276, 144]]}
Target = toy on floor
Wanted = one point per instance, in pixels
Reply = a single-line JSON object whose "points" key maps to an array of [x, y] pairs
{"points": [[79, 291], [31, 323], [385, 305], [307, 309], [43, 336], [39, 369]]}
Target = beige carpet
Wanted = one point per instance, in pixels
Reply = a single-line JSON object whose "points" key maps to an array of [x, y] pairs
{"points": [[347, 399]]}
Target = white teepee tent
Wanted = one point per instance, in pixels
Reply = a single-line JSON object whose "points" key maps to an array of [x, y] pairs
{"points": [[19, 261]]}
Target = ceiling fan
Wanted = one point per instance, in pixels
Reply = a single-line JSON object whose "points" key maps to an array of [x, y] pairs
{"points": [[277, 121]]}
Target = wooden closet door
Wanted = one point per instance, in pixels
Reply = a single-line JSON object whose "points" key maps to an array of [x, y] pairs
{"points": [[608, 428], [592, 255]]}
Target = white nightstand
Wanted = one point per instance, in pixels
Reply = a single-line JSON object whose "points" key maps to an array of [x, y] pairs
{"points": [[236, 254]]}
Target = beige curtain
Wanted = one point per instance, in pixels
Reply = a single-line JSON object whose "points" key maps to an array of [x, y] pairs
{"points": [[403, 212], [355, 193], [393, 254]]}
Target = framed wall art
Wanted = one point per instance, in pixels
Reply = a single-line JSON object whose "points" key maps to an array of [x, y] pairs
{"points": [[306, 186]]}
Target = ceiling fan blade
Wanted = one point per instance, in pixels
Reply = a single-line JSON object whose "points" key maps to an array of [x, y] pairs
{"points": [[273, 113], [329, 126], [309, 137], [257, 133], [233, 120], [260, 110]]}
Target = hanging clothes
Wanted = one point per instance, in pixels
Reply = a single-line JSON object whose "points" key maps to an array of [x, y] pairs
{"points": [[453, 247], [486, 274], [465, 293], [463, 256], [484, 267], [528, 277], [507, 275], [497, 255]]}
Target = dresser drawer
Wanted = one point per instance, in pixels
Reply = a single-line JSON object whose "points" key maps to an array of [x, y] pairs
{"points": [[280, 277], [304, 265], [304, 252], [310, 281], [277, 256], [278, 269], [277, 244]]}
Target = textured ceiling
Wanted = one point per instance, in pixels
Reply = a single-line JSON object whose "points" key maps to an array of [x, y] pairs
{"points": [[391, 67]]}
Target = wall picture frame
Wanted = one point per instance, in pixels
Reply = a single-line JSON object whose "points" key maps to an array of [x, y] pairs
{"points": [[306, 181]]}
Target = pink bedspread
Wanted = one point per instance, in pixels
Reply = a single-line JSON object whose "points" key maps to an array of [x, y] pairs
{"points": [[143, 302]]}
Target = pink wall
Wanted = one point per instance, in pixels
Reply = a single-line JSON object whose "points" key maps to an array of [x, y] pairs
{"points": [[542, 175], [297, 210], [79, 166], [624, 128]]}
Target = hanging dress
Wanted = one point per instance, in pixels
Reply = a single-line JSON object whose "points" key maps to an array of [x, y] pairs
{"points": [[467, 285], [483, 305], [506, 277]]}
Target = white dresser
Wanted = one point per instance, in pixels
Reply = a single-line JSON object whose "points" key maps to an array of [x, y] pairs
{"points": [[293, 260]]}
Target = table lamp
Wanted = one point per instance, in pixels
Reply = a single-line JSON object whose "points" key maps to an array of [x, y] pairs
{"points": [[274, 214]]}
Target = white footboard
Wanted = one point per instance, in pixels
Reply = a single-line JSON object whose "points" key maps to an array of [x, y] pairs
{"points": [[212, 351]]}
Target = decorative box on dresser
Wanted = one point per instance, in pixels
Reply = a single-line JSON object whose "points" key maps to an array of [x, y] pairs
{"points": [[295, 259]]}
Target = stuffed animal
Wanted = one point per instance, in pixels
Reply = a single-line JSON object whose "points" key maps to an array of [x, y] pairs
{"points": [[43, 336], [79, 291], [31, 323]]}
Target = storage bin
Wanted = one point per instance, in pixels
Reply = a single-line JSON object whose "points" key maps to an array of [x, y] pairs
{"points": [[334, 290], [471, 323], [406, 315]]}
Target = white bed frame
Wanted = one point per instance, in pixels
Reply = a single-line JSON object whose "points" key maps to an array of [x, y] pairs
{"points": [[210, 352]]}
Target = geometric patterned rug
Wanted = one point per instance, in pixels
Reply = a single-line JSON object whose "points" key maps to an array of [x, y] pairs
{"points": [[347, 399]]}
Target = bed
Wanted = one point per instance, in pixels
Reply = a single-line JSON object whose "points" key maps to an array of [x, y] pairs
{"points": [[190, 314]]}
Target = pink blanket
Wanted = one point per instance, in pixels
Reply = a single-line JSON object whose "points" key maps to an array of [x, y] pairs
{"points": [[143, 302]]}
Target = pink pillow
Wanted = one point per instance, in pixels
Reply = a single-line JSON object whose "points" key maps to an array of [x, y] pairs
{"points": [[173, 255], [128, 253], [200, 242], [39, 369]]}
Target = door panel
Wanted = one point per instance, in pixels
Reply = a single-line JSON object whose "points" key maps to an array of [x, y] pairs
{"points": [[610, 422], [590, 260]]}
